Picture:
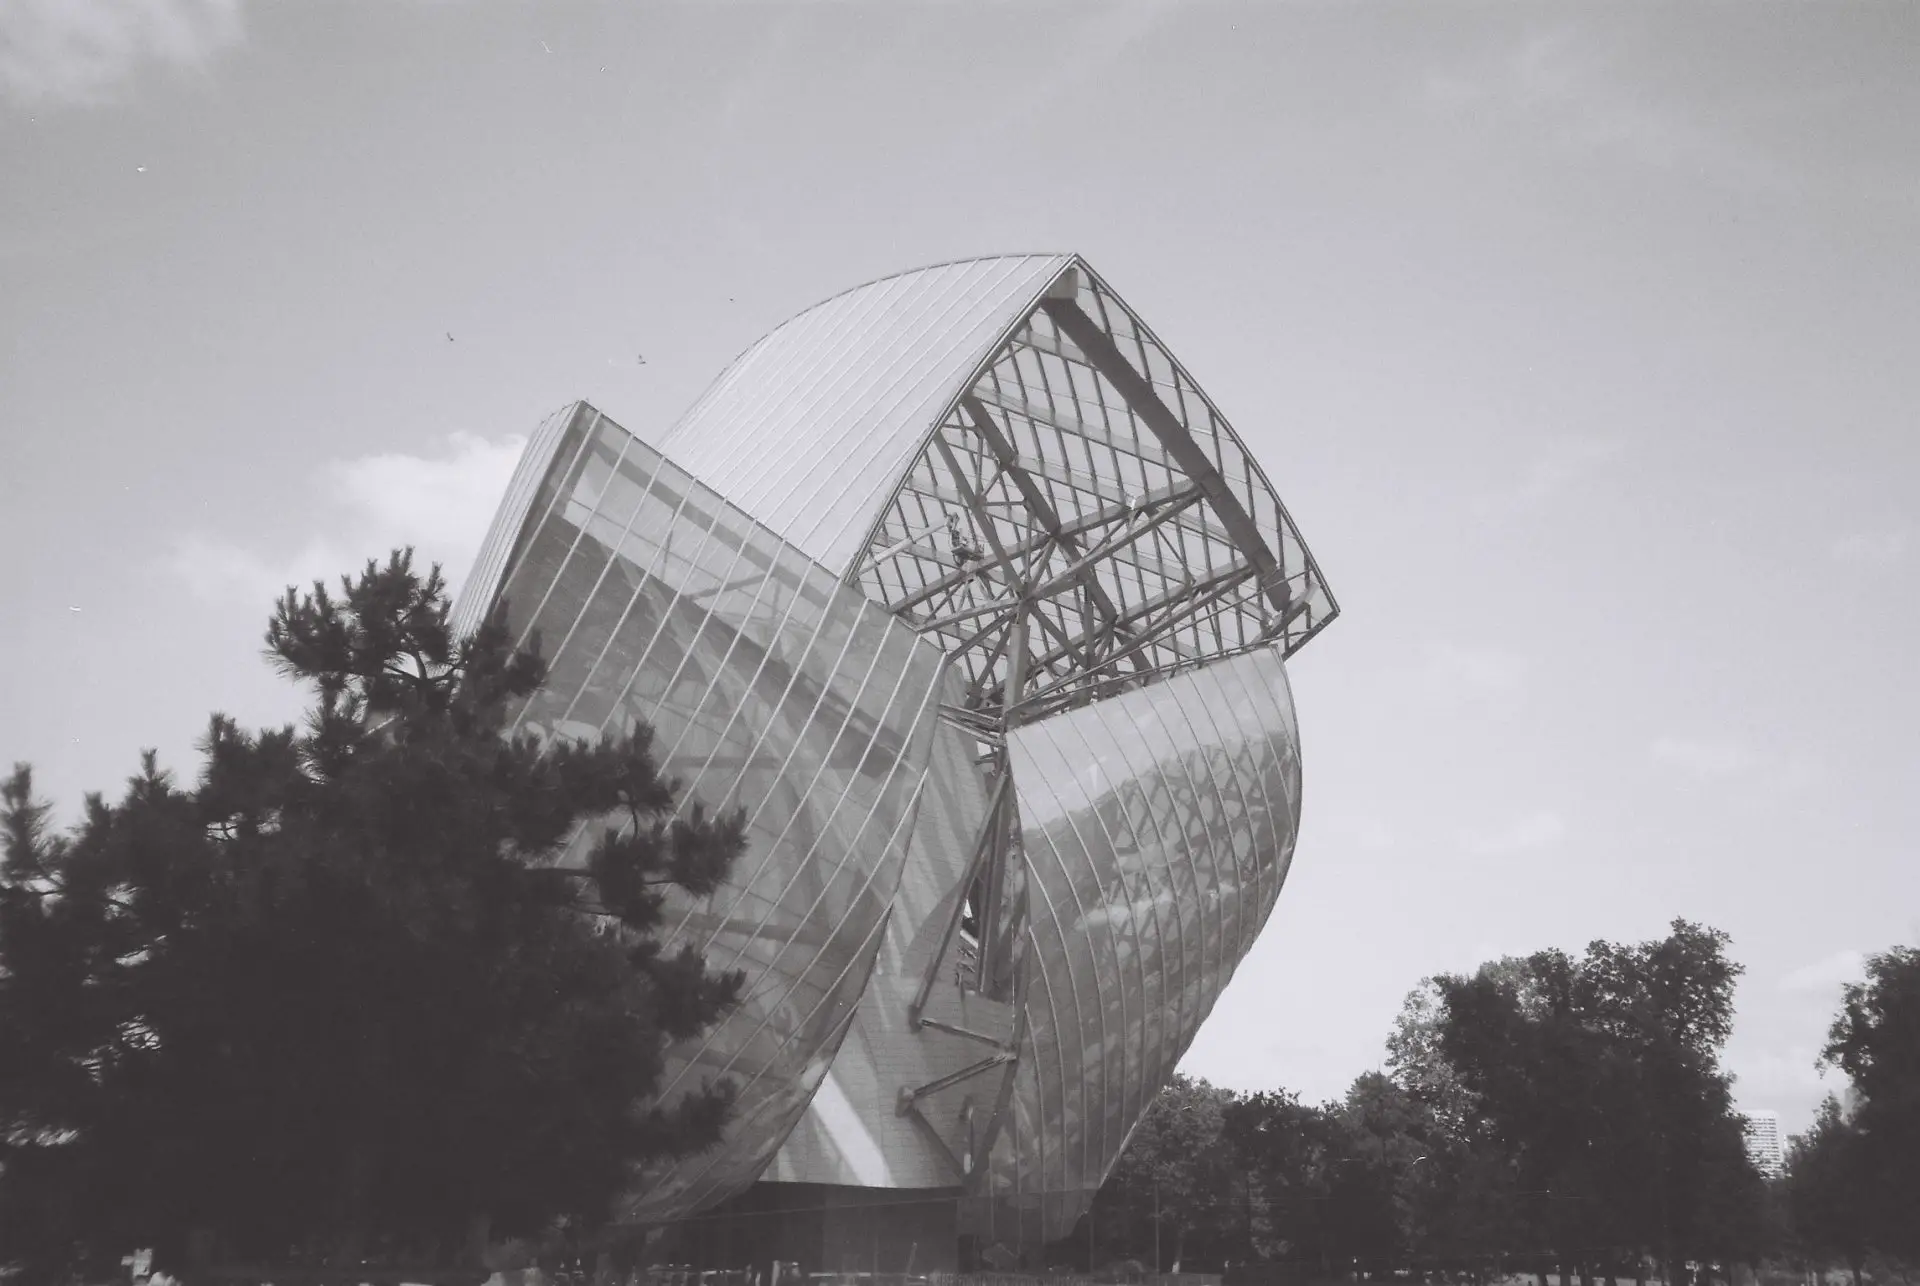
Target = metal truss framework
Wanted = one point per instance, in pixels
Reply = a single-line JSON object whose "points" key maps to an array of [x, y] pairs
{"points": [[1081, 522]]}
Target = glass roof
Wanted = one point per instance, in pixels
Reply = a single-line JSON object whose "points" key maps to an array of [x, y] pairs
{"points": [[1082, 488], [810, 429], [1001, 443]]}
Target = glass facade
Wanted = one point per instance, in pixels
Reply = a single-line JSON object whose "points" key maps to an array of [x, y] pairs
{"points": [[768, 685], [981, 609], [1157, 827], [854, 1133]]}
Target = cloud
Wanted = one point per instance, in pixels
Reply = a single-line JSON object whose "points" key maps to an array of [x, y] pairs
{"points": [[448, 498], [1719, 759], [1558, 84], [1786, 1078], [439, 504], [1554, 467], [1104, 38], [1542, 828], [217, 571], [1558, 465], [1827, 974], [78, 50], [1710, 760], [1452, 92], [1459, 672], [1368, 833], [1872, 546]]}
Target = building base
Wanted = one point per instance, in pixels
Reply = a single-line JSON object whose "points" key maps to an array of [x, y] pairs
{"points": [[822, 1228]]}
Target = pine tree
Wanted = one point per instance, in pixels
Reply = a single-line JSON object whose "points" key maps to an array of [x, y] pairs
{"points": [[62, 1026], [341, 996]]}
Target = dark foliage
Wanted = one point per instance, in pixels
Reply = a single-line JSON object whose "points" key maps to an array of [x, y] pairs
{"points": [[1829, 1191], [1552, 1114], [1168, 1198], [338, 995], [1876, 1154], [1600, 1083]]}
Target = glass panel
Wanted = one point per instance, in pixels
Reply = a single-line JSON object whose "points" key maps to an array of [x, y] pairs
{"points": [[770, 686], [1158, 826]]}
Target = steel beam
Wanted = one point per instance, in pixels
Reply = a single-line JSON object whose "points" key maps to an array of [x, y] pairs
{"points": [[1055, 418], [982, 853], [909, 1096], [1182, 493], [1041, 507], [1139, 393], [1220, 580]]}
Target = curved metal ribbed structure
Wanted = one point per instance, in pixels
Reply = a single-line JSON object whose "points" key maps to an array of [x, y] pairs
{"points": [[981, 608]]}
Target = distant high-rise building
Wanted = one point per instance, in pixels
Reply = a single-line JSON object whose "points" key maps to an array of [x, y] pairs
{"points": [[1763, 1143]]}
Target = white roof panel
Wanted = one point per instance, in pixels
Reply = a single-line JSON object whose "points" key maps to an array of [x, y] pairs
{"points": [[812, 428]]}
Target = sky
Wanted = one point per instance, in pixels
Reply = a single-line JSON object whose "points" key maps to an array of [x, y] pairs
{"points": [[1580, 341]]}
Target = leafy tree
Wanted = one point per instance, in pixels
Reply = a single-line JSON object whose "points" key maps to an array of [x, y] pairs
{"points": [[1785, 1245], [1384, 1133], [1347, 1185], [1290, 1152], [1518, 1042], [1462, 1211], [1876, 1042], [341, 994], [1573, 1103], [1829, 1190], [1173, 1190], [1598, 1079], [1680, 1173], [1420, 1066]]}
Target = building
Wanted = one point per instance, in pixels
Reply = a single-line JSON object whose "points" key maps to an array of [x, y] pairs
{"points": [[1764, 1147], [960, 585]]}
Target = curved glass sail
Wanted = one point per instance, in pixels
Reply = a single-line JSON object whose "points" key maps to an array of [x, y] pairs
{"points": [[768, 685], [1157, 828]]}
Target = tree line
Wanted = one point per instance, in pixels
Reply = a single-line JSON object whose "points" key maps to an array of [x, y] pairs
{"points": [[1559, 1115]]}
